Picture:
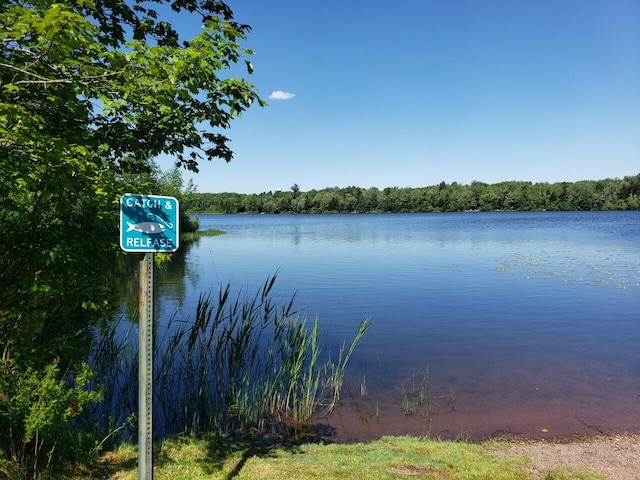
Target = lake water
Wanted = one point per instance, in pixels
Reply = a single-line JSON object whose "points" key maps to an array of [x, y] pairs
{"points": [[527, 323]]}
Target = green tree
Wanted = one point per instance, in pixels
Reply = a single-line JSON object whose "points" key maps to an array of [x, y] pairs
{"points": [[370, 199], [90, 90], [171, 183], [582, 195]]}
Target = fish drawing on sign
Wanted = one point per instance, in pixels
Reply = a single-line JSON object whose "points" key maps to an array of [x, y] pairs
{"points": [[149, 228]]}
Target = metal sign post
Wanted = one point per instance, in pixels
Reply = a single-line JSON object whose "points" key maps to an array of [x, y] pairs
{"points": [[149, 224], [145, 370]]}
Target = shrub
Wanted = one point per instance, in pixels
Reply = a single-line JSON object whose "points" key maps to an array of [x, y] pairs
{"points": [[37, 411]]}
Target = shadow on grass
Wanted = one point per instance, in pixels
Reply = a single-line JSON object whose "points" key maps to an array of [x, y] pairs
{"points": [[219, 450], [107, 465]]}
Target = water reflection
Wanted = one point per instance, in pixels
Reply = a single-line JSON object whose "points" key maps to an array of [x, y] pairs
{"points": [[523, 316], [174, 281]]}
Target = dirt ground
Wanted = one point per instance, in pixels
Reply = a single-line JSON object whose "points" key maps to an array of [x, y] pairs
{"points": [[615, 455]]}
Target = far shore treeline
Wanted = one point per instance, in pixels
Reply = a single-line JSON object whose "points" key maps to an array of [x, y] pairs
{"points": [[608, 194]]}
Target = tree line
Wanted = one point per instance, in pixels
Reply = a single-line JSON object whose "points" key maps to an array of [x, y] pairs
{"points": [[608, 194]]}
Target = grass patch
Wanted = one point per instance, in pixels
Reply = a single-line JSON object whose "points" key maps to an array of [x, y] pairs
{"points": [[193, 236], [387, 458], [565, 474]]}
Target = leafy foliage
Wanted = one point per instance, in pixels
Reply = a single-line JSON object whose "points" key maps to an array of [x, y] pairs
{"points": [[36, 409], [71, 68], [609, 194], [90, 91]]}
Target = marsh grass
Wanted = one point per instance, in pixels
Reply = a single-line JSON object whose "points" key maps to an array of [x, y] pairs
{"points": [[243, 364], [452, 398], [363, 387], [193, 236], [408, 408], [418, 399], [334, 372]]}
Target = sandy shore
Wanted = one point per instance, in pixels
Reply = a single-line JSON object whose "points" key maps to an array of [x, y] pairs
{"points": [[615, 455]]}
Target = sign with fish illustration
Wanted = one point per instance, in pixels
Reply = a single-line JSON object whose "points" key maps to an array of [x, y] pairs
{"points": [[149, 223]]}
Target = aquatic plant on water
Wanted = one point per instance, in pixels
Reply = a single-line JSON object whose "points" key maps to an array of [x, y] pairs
{"points": [[242, 364]]}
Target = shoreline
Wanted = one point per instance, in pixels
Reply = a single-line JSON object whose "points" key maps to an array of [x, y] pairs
{"points": [[616, 455]]}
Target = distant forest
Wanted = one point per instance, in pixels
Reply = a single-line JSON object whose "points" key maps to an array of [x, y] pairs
{"points": [[609, 194]]}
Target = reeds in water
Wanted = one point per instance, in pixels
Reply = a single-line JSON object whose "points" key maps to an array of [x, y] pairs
{"points": [[242, 364]]}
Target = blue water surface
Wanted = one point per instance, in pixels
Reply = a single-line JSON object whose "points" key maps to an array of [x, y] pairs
{"points": [[507, 310]]}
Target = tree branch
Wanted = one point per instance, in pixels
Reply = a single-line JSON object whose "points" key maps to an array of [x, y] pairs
{"points": [[40, 78]]}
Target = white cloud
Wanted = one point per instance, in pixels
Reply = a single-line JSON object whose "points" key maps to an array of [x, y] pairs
{"points": [[280, 95]]}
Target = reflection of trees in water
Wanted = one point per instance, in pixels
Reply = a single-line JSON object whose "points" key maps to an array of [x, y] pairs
{"points": [[171, 282]]}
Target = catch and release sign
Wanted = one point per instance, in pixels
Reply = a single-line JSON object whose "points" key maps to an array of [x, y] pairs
{"points": [[149, 223]]}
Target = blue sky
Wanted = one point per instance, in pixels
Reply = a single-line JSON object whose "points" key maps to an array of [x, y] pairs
{"points": [[410, 93]]}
